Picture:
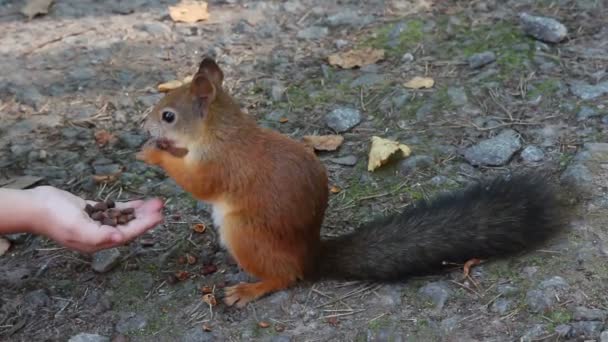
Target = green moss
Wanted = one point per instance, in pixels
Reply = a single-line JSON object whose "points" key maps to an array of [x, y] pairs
{"points": [[545, 88], [382, 322], [396, 38]]}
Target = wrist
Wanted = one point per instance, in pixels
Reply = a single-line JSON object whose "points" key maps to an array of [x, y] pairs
{"points": [[38, 211]]}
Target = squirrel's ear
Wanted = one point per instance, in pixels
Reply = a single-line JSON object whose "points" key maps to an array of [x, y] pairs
{"points": [[203, 92], [213, 72]]}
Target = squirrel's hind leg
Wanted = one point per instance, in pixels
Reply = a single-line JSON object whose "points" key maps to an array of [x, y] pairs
{"points": [[244, 293]]}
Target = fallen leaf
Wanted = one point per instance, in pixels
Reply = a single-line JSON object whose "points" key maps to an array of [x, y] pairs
{"points": [[263, 324], [334, 189], [283, 120], [182, 275], [106, 178], [206, 327], [168, 86], [210, 299], [419, 83], [468, 265], [5, 245], [206, 289], [382, 150], [199, 228], [36, 7], [323, 142], [103, 137], [21, 182], [208, 269], [191, 259], [356, 58], [279, 327], [189, 11]]}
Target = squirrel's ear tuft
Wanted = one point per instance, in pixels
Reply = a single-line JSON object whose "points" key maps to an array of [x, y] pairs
{"points": [[213, 72], [203, 91]]}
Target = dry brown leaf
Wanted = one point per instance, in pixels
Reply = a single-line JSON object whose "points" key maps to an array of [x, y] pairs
{"points": [[103, 137], [106, 178], [323, 142], [334, 189], [263, 324], [382, 150], [5, 245], [206, 289], [206, 327], [283, 120], [189, 11], [356, 58], [199, 228], [22, 182], [182, 275], [419, 83], [209, 298], [36, 7], [168, 86]]}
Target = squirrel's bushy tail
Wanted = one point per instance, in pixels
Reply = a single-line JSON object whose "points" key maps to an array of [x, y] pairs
{"points": [[493, 218]]}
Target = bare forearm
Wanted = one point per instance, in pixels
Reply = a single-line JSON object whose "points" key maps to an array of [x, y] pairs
{"points": [[19, 211]]}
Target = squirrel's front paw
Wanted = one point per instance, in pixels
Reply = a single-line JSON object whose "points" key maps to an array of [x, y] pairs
{"points": [[149, 153]]}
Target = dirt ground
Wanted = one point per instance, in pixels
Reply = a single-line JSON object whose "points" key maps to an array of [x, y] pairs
{"points": [[502, 101]]}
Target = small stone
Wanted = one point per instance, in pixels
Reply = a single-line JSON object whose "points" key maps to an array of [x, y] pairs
{"points": [[349, 160], [496, 151], [532, 154], [501, 306], [107, 169], [563, 330], [154, 29], [37, 299], [449, 324], [586, 113], [415, 163], [340, 43], [105, 260], [555, 282], [478, 60], [540, 301], [130, 323], [458, 96], [534, 333], [407, 58], [131, 139], [276, 92], [586, 91], [342, 119], [85, 337], [425, 110], [437, 292], [588, 329], [348, 18], [313, 33], [530, 271], [395, 100], [604, 336], [578, 175], [542, 28], [605, 120], [367, 79], [582, 313]]}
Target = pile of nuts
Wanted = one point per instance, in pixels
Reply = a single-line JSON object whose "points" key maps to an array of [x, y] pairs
{"points": [[107, 213]]}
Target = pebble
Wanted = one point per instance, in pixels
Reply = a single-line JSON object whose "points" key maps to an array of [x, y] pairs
{"points": [[532, 154], [105, 260], [159, 30], [586, 91], [458, 96], [425, 110], [545, 29], [348, 18], [501, 306], [340, 43], [534, 333], [342, 119], [555, 282], [588, 329], [131, 139], [449, 324], [349, 160], [395, 101], [131, 322], [277, 92], [604, 336], [415, 163], [586, 113], [496, 151], [367, 79], [540, 301], [407, 57], [37, 299], [478, 60], [437, 292], [313, 32], [563, 330], [582, 313], [86, 337]]}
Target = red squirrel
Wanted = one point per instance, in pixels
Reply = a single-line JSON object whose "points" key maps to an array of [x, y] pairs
{"points": [[269, 194]]}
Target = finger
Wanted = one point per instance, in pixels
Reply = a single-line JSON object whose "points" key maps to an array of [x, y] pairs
{"points": [[140, 225], [150, 206]]}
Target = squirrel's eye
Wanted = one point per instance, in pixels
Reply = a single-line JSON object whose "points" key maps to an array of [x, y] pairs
{"points": [[168, 116]]}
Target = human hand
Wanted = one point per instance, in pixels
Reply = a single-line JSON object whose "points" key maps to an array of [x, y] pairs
{"points": [[62, 218]]}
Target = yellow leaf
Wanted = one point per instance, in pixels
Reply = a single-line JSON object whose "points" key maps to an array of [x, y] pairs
{"points": [[334, 189], [189, 11], [382, 150], [323, 142], [36, 7], [419, 83], [168, 86], [356, 58]]}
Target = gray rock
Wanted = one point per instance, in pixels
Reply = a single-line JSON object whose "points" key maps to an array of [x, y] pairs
{"points": [[425, 110], [414, 163], [582, 313], [340, 43], [154, 29], [313, 33], [342, 119], [349, 160], [29, 96], [458, 96], [588, 329], [348, 17], [586, 113], [437, 292], [395, 101], [131, 322], [604, 336], [37, 299], [545, 29], [367, 79], [85, 337], [449, 324], [532, 154], [276, 92], [407, 57], [605, 119], [577, 174], [106, 169], [20, 150], [586, 91], [563, 330], [105, 260], [131, 139], [530, 271], [538, 330], [496, 151], [478, 60], [540, 301], [501, 306], [555, 282]]}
